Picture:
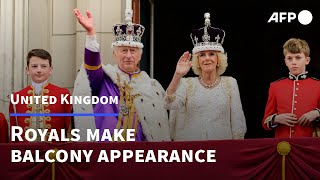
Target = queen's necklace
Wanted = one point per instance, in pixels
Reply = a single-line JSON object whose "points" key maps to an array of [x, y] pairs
{"points": [[209, 85]]}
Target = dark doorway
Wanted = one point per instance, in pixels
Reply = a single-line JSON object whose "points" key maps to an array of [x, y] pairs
{"points": [[145, 20]]}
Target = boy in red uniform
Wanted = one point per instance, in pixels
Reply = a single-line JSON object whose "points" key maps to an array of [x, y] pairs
{"points": [[39, 68], [3, 129], [293, 102]]}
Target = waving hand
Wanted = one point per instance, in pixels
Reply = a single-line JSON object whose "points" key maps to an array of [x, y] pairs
{"points": [[86, 22]]}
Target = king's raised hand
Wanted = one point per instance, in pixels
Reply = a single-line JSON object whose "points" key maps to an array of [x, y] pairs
{"points": [[86, 22]]}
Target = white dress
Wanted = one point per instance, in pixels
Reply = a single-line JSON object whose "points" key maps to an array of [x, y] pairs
{"points": [[198, 113]]}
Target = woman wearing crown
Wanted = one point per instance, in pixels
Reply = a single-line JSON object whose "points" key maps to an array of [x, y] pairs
{"points": [[207, 107]]}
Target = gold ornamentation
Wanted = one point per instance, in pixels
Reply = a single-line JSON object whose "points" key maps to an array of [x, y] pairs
{"points": [[52, 156], [30, 91], [47, 118], [27, 120], [92, 68], [128, 111], [135, 76], [189, 89], [46, 91], [48, 126], [124, 110], [283, 149], [228, 87], [170, 98], [237, 136], [47, 135]]}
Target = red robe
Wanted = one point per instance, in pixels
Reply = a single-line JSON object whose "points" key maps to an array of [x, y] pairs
{"points": [[292, 96], [53, 122], [3, 129]]}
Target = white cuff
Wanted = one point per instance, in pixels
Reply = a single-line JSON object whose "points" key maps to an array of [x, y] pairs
{"points": [[92, 44]]}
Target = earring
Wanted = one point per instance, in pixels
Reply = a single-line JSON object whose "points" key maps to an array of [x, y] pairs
{"points": [[218, 65]]}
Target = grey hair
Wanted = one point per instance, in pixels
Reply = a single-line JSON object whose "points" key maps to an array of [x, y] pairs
{"points": [[114, 48]]}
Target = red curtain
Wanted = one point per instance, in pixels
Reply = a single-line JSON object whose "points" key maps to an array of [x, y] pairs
{"points": [[235, 159]]}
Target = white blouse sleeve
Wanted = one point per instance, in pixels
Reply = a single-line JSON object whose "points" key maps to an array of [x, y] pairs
{"points": [[178, 99], [238, 121]]}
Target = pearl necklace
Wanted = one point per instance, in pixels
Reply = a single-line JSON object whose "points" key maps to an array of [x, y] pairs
{"points": [[209, 85]]}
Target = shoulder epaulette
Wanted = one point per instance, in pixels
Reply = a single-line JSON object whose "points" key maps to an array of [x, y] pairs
{"points": [[315, 78], [279, 79]]}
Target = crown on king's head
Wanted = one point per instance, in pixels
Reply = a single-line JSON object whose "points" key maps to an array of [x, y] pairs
{"points": [[207, 37], [128, 34]]}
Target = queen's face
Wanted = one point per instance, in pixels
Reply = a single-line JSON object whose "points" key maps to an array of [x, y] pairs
{"points": [[208, 61]]}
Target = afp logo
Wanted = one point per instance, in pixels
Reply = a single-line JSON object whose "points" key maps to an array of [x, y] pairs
{"points": [[304, 17]]}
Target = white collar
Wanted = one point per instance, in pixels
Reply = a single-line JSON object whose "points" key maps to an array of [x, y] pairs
{"points": [[38, 86], [301, 76]]}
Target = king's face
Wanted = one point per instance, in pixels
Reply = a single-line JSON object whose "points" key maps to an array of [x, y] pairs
{"points": [[128, 58]]}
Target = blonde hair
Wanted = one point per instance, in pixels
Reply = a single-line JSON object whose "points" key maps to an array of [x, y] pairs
{"points": [[222, 62], [295, 45]]}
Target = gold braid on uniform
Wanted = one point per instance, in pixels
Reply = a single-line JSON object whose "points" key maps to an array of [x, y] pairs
{"points": [[37, 108], [127, 108]]}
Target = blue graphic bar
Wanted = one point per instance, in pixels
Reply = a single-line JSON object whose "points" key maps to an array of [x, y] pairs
{"points": [[63, 114]]}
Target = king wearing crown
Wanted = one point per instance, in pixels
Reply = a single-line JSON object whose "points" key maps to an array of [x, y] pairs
{"points": [[141, 98]]}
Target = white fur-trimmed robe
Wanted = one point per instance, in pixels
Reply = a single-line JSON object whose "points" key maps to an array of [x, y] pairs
{"points": [[150, 105]]}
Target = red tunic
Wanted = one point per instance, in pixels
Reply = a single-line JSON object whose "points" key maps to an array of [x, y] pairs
{"points": [[53, 122], [3, 129], [297, 96]]}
